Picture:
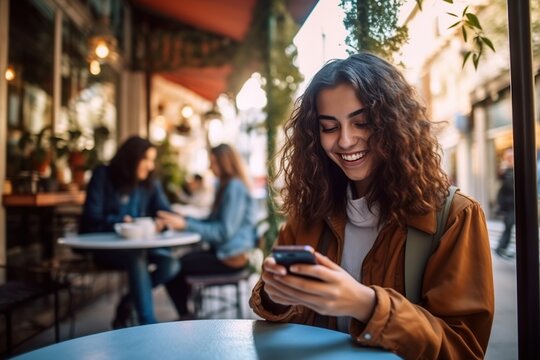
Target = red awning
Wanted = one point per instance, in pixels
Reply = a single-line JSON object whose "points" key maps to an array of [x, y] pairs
{"points": [[230, 19]]}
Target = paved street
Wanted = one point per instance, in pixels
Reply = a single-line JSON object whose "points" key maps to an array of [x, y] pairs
{"points": [[503, 343]]}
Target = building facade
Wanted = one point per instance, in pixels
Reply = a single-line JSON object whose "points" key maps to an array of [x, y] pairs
{"points": [[472, 107]]}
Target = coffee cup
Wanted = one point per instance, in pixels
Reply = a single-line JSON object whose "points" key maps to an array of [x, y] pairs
{"points": [[148, 226], [129, 230]]}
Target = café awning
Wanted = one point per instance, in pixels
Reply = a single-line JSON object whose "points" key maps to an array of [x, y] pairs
{"points": [[207, 46]]}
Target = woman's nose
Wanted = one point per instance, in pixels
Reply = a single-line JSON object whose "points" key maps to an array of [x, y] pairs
{"points": [[346, 138]]}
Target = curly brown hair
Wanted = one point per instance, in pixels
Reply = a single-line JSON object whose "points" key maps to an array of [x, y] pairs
{"points": [[408, 179]]}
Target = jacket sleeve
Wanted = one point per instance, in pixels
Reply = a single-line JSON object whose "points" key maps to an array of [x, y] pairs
{"points": [[455, 317], [266, 308], [219, 229], [94, 217]]}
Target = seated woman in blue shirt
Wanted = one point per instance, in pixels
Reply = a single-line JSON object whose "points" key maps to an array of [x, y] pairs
{"points": [[229, 229], [120, 192]]}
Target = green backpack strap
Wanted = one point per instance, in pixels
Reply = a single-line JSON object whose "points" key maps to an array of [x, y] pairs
{"points": [[419, 247]]}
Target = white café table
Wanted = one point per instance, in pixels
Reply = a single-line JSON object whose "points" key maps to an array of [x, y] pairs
{"points": [[113, 241], [213, 339]]}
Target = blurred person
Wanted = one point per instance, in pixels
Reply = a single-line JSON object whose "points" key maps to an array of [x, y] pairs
{"points": [[361, 165], [195, 197], [505, 202], [121, 192], [229, 230], [193, 191]]}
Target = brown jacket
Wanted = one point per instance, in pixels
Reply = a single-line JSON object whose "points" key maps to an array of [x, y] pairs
{"points": [[454, 318]]}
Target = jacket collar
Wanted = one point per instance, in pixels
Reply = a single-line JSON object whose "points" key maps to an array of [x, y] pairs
{"points": [[426, 223]]}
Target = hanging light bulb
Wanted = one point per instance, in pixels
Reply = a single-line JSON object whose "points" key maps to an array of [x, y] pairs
{"points": [[95, 67], [102, 44], [187, 111], [102, 50], [10, 73]]}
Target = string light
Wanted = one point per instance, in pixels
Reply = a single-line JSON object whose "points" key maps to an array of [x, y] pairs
{"points": [[10, 73], [95, 67]]}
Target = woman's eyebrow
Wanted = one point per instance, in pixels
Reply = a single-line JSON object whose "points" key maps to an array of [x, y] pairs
{"points": [[356, 112], [353, 114]]}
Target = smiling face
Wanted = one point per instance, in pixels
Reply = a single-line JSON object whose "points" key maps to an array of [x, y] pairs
{"points": [[344, 132], [147, 164]]}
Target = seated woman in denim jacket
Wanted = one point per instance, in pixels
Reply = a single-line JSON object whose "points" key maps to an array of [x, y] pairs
{"points": [[229, 229], [121, 192]]}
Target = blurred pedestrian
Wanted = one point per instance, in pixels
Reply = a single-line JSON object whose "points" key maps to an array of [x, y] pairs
{"points": [[505, 202]]}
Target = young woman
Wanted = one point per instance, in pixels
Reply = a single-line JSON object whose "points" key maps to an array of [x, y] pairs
{"points": [[229, 229], [120, 192], [360, 160]]}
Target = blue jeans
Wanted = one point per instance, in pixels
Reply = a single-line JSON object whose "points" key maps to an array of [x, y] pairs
{"points": [[141, 281]]}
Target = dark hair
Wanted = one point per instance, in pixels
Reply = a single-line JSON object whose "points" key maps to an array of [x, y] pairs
{"points": [[197, 177], [231, 165], [409, 176], [123, 166]]}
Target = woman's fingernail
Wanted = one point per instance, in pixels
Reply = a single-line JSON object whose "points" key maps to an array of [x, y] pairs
{"points": [[294, 268]]}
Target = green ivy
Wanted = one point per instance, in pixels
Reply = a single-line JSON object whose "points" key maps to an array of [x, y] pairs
{"points": [[172, 176]]}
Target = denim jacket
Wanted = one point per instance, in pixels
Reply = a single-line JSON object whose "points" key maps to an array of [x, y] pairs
{"points": [[229, 229], [105, 206]]}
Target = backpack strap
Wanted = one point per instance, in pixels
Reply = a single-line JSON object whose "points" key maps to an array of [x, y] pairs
{"points": [[419, 247]]}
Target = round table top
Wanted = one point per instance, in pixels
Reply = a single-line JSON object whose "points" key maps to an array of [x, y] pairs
{"points": [[114, 241], [212, 339]]}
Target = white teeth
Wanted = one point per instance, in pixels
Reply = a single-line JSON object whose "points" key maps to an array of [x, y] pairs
{"points": [[353, 157]]}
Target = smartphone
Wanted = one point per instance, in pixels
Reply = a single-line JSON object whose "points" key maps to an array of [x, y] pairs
{"points": [[294, 254]]}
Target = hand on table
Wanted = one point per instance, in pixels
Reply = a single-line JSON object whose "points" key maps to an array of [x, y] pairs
{"points": [[171, 220], [336, 294]]}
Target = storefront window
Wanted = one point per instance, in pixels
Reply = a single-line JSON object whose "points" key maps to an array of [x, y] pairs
{"points": [[88, 115], [500, 112], [60, 150], [30, 84]]}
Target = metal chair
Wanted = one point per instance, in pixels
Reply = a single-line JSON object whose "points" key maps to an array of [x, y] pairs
{"points": [[201, 292], [23, 286]]}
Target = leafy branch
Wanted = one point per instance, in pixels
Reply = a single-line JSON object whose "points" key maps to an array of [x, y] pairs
{"points": [[470, 21], [373, 26]]}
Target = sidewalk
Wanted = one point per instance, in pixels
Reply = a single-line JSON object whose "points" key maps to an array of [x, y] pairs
{"points": [[503, 342]]}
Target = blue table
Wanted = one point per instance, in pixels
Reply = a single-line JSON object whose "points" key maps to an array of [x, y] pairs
{"points": [[212, 339]]}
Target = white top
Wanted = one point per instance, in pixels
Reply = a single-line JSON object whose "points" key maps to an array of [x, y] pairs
{"points": [[114, 241], [360, 234]]}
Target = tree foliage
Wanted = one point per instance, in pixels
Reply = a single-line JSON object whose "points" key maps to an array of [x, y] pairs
{"points": [[373, 26]]}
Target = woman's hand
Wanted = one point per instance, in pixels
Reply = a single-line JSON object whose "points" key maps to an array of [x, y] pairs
{"points": [[172, 220], [127, 219], [335, 293]]}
